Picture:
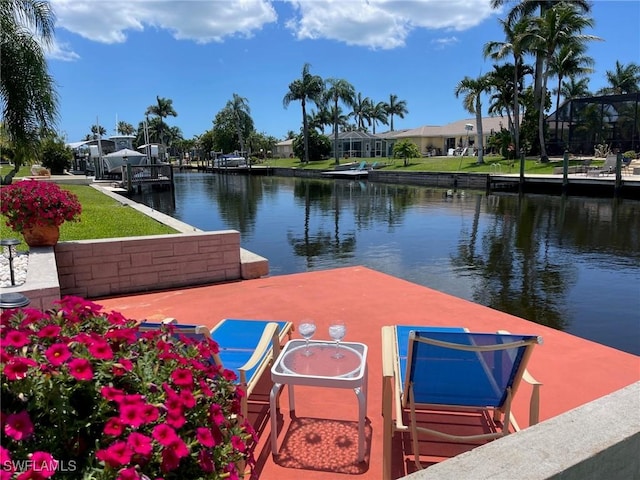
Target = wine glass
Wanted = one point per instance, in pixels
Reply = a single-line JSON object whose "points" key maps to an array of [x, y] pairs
{"points": [[307, 328], [337, 331]]}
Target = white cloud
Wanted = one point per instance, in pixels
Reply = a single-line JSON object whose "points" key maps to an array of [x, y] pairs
{"points": [[444, 42], [375, 24], [199, 21], [61, 51], [382, 24]]}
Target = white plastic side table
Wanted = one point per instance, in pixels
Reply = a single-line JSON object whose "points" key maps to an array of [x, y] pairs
{"points": [[320, 369]]}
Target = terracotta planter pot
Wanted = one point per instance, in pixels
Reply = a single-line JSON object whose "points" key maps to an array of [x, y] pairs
{"points": [[41, 235]]}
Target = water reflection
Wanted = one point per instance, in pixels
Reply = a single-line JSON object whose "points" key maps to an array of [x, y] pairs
{"points": [[569, 263]]}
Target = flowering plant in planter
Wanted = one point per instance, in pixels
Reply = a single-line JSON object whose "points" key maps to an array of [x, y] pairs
{"points": [[29, 203], [85, 394]]}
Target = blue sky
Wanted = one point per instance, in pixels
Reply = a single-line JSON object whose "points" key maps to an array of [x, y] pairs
{"points": [[112, 58]]}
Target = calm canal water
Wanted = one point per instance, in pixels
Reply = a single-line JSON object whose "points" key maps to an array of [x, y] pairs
{"points": [[569, 263]]}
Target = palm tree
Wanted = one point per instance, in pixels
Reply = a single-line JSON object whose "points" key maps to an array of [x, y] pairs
{"points": [[624, 79], [27, 91], [378, 113], [575, 88], [569, 60], [338, 90], [514, 46], [473, 90], [321, 118], [560, 25], [239, 108], [395, 107], [526, 9], [125, 128], [307, 88], [360, 112], [162, 109], [97, 131]]}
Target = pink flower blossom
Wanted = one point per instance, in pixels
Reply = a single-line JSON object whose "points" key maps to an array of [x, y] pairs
{"points": [[113, 427], [205, 461], [238, 444], [140, 444], [80, 369], [217, 415], [18, 426], [129, 474], [44, 464], [49, 331], [164, 434], [170, 461], [205, 437], [100, 350], [17, 367], [182, 378], [149, 413], [131, 415], [111, 393], [16, 338], [57, 354], [118, 454]]}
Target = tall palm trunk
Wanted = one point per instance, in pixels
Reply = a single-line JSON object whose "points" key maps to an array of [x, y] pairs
{"points": [[335, 133], [305, 131]]}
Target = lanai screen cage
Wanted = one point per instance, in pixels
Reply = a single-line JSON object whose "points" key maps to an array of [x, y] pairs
{"points": [[360, 145], [582, 123]]}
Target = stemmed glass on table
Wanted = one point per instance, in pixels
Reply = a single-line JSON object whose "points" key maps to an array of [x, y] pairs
{"points": [[307, 329], [337, 331]]}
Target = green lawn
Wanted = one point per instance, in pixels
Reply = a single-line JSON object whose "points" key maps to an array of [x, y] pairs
{"points": [[102, 217], [435, 164]]}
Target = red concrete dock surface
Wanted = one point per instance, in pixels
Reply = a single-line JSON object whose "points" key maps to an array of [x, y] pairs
{"points": [[320, 441]]}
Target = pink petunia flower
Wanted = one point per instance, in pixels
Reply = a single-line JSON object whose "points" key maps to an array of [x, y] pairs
{"points": [[57, 354], [188, 400], [18, 426], [204, 436], [131, 415], [100, 350], [16, 338], [113, 427], [140, 444], [49, 331], [170, 461], [80, 369], [129, 474], [118, 454], [237, 443], [5, 461], [182, 378], [205, 461], [44, 464], [149, 413], [179, 447], [112, 394], [217, 415], [164, 434], [175, 417]]}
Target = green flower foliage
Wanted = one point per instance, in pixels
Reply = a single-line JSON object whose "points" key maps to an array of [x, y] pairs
{"points": [[86, 394]]}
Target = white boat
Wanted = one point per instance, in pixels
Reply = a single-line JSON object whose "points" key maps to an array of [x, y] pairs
{"points": [[230, 160], [114, 161]]}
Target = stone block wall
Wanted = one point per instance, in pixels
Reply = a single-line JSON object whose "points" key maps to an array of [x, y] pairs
{"points": [[116, 266]]}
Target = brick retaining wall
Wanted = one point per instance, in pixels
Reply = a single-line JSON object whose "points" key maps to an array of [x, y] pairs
{"points": [[116, 266]]}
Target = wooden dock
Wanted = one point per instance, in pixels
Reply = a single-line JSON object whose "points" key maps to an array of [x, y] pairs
{"points": [[626, 186], [157, 176]]}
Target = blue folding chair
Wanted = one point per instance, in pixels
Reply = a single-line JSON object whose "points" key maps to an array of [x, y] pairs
{"points": [[452, 369], [246, 347]]}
